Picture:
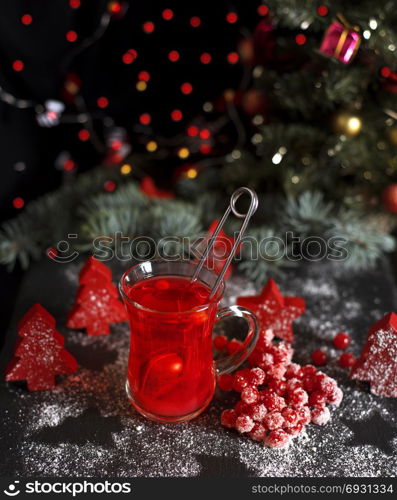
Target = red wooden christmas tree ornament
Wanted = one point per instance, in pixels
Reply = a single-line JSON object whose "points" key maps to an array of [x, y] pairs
{"points": [[378, 361], [220, 251], [39, 353], [275, 312], [97, 305]]}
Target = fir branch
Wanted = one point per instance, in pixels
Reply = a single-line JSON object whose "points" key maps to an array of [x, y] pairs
{"points": [[365, 242], [268, 258], [306, 214]]}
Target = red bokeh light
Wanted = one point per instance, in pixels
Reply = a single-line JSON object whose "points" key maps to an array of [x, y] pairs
{"points": [[103, 102], [18, 202], [71, 36], [195, 21], [263, 10], [300, 39], [74, 4], [145, 119], [130, 56], [26, 19], [109, 186], [176, 115], [69, 165], [168, 14], [205, 134], [205, 58], [186, 88], [231, 17], [115, 7], [233, 57], [84, 134], [322, 10], [144, 76], [192, 131], [18, 65], [148, 27], [385, 71], [205, 149], [174, 56]]}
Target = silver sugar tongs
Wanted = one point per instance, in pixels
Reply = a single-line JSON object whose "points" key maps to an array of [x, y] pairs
{"points": [[231, 208]]}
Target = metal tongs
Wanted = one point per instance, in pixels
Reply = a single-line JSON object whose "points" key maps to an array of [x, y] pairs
{"points": [[231, 208]]}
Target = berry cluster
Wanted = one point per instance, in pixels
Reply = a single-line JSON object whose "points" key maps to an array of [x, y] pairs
{"points": [[341, 341], [278, 397], [222, 343]]}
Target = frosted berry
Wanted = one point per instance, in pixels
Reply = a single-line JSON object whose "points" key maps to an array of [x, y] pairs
{"points": [[244, 423], [277, 439], [273, 401], [304, 415], [267, 336], [341, 341], [295, 430], [291, 417], [228, 418], [258, 412], [242, 408], [320, 415], [220, 342], [281, 352], [298, 397], [234, 346], [225, 382], [266, 362], [336, 397], [308, 370], [293, 371], [319, 357], [277, 370], [258, 432], [241, 380], [273, 421], [317, 398], [309, 383], [250, 395], [257, 376], [347, 360], [324, 383], [293, 383], [278, 386]]}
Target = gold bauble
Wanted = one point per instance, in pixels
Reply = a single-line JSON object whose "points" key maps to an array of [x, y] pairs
{"points": [[347, 123], [392, 134]]}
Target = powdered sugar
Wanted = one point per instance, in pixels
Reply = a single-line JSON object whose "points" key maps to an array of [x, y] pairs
{"points": [[121, 443]]}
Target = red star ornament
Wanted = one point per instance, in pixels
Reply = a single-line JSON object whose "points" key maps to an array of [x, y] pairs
{"points": [[275, 312], [378, 361]]}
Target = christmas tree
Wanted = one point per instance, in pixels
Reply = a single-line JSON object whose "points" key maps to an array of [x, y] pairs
{"points": [[312, 127], [39, 353], [97, 305], [378, 361]]}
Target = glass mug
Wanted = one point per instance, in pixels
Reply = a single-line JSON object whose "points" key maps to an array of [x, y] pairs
{"points": [[171, 371]]}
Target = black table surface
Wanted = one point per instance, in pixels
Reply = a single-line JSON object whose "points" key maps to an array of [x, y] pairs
{"points": [[87, 427]]}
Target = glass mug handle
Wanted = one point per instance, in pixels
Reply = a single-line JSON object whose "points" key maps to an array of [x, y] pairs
{"points": [[230, 363]]}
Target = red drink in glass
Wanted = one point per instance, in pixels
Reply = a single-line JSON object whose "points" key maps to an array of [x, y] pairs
{"points": [[171, 371]]}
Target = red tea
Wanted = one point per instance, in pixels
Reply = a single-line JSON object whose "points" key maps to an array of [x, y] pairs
{"points": [[171, 371]]}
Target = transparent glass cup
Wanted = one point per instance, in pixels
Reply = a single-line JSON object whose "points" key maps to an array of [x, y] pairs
{"points": [[171, 370]]}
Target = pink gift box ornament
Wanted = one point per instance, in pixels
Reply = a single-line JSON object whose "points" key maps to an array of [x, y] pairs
{"points": [[341, 41]]}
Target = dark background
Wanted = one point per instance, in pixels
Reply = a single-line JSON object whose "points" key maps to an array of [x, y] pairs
{"points": [[29, 152]]}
